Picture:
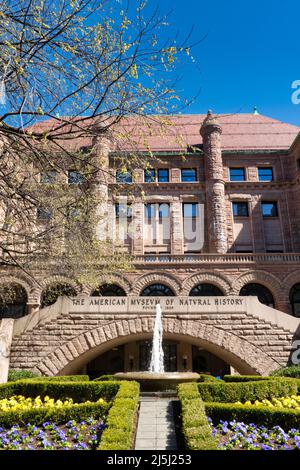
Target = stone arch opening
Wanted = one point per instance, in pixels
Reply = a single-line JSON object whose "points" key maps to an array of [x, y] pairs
{"points": [[156, 278], [157, 290], [217, 280], [13, 301], [55, 290], [295, 299], [206, 290], [109, 290], [263, 294], [69, 358]]}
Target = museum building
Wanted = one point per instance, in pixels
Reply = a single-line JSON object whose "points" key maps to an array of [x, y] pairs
{"points": [[215, 239]]}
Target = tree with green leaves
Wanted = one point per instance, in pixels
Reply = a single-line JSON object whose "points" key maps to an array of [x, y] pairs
{"points": [[72, 72]]}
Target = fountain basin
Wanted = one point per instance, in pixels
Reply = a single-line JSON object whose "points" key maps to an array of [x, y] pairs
{"points": [[156, 382]]}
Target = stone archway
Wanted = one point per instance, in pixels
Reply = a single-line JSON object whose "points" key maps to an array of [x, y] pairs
{"points": [[260, 277], [207, 277], [242, 355], [156, 278]]}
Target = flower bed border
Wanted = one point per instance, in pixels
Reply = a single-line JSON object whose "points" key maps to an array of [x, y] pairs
{"points": [[231, 392], [195, 427], [122, 418], [262, 415], [78, 391]]}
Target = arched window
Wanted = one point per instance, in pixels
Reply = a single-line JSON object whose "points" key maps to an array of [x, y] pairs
{"points": [[295, 299], [13, 300], [109, 290], [206, 290], [52, 292], [263, 294], [157, 290]]}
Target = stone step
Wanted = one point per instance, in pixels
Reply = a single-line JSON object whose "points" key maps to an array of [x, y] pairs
{"points": [[156, 426]]}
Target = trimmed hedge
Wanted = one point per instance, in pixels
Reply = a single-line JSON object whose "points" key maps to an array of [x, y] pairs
{"points": [[232, 392], [207, 378], [57, 415], [245, 378], [78, 391], [262, 415], [14, 375], [291, 371], [61, 378], [195, 427], [104, 378], [122, 418]]}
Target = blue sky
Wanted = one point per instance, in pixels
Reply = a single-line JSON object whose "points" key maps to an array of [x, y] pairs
{"points": [[249, 58]]}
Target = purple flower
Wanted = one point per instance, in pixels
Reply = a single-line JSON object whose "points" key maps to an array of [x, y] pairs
{"points": [[265, 447]]}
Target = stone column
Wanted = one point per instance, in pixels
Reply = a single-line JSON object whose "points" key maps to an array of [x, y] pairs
{"points": [[215, 185], [176, 227], [138, 229], [6, 334], [101, 148]]}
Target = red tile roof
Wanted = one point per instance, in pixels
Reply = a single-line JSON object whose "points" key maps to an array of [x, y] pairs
{"points": [[240, 132]]}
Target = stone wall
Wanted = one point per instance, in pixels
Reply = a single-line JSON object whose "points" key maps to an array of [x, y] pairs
{"points": [[251, 337]]}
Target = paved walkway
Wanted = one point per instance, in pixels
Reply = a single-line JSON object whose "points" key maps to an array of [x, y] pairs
{"points": [[156, 427]]}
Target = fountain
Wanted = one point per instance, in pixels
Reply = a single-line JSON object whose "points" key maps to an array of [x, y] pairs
{"points": [[156, 379]]}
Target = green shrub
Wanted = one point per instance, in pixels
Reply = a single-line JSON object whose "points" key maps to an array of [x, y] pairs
{"points": [[207, 378], [78, 391], [105, 377], [243, 391], [245, 378], [14, 375], [122, 418], [267, 416], [61, 378], [195, 427], [291, 371], [57, 415]]}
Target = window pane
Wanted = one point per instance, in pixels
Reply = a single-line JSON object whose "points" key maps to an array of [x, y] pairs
{"points": [[164, 210], [123, 210], [237, 174], [190, 209], [149, 176], [189, 175], [75, 177], [48, 177], [269, 209], [123, 177], [240, 209], [149, 211], [163, 176], [265, 174]]}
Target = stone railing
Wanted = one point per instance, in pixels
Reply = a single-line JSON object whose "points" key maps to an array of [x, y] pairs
{"points": [[230, 258]]}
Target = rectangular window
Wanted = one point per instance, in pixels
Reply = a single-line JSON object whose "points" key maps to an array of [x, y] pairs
{"points": [[48, 177], [163, 175], [265, 174], [123, 210], [240, 209], [269, 209], [149, 176], [123, 177], [149, 211], [237, 174], [44, 213], [190, 209], [188, 175], [75, 177]]}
